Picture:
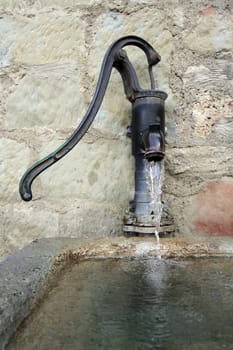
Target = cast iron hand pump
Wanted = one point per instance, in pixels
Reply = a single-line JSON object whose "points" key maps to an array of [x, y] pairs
{"points": [[147, 127]]}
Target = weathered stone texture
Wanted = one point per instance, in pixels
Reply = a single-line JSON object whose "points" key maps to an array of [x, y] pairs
{"points": [[93, 171], [14, 155], [50, 58], [49, 98], [213, 33], [20, 224], [24, 6], [45, 38], [89, 219], [213, 209]]}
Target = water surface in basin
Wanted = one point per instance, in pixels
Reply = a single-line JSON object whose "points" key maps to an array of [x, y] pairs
{"points": [[135, 304]]}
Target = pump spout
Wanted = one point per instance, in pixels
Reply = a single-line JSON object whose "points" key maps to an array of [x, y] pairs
{"points": [[153, 143]]}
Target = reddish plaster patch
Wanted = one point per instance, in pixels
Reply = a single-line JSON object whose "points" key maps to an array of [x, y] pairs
{"points": [[214, 209], [208, 11]]}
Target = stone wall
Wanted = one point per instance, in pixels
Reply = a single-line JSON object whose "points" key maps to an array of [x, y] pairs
{"points": [[50, 56]]}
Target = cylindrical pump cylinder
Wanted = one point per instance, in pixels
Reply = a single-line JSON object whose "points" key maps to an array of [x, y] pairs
{"points": [[147, 109]]}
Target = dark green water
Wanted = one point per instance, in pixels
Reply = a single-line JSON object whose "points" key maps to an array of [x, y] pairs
{"points": [[136, 305]]}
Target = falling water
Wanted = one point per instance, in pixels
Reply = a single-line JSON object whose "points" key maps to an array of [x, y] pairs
{"points": [[155, 183]]}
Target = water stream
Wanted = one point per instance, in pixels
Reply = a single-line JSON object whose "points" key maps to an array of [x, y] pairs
{"points": [[155, 175]]}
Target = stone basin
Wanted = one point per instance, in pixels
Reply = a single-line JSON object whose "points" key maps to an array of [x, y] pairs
{"points": [[28, 275]]}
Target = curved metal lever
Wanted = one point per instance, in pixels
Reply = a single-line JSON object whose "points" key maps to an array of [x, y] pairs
{"points": [[114, 57]]}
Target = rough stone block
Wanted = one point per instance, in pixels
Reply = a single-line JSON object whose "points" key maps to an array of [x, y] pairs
{"points": [[98, 171], [214, 208], [8, 29], [48, 96], [22, 223], [23, 6], [199, 161], [213, 33], [83, 218], [46, 38], [14, 157], [208, 111]]}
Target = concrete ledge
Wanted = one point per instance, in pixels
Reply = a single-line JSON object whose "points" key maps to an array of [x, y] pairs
{"points": [[27, 275]]}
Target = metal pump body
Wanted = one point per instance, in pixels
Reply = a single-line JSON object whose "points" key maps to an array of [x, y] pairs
{"points": [[147, 128], [148, 144]]}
